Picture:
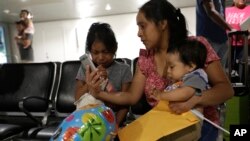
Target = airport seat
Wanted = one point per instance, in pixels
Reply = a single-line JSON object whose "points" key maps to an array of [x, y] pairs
{"points": [[63, 101], [17, 83], [124, 60]]}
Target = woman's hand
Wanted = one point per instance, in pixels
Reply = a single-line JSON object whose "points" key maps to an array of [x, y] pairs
{"points": [[184, 106]]}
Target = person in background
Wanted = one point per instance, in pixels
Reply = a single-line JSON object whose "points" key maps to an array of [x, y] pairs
{"points": [[24, 42], [235, 15], [211, 23], [102, 46], [162, 26], [24, 37], [26, 16]]}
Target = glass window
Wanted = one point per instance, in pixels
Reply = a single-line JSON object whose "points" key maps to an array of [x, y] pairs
{"points": [[3, 58]]}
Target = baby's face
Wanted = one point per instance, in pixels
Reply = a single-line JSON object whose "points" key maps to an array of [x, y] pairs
{"points": [[175, 68]]}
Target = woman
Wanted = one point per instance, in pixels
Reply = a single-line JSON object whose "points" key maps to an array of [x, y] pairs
{"points": [[162, 26], [235, 15]]}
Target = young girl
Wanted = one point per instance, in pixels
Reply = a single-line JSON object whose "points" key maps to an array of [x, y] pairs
{"points": [[102, 46]]}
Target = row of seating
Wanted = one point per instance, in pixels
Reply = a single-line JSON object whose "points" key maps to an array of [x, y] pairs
{"points": [[36, 97]]}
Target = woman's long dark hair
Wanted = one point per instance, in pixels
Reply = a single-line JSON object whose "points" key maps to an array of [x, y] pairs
{"points": [[159, 10]]}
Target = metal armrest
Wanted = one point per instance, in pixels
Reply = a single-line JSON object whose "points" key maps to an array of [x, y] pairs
{"points": [[130, 117], [26, 100]]}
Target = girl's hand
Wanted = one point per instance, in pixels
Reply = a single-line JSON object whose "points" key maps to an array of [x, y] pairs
{"points": [[102, 72], [93, 81]]}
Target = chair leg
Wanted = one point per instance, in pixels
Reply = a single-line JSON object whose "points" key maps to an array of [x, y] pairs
{"points": [[130, 117], [222, 114]]}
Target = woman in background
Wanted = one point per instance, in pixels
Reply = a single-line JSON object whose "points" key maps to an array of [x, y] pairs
{"points": [[235, 15]]}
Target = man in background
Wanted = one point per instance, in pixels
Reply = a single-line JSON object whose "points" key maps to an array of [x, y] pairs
{"points": [[210, 23], [25, 29], [24, 41]]}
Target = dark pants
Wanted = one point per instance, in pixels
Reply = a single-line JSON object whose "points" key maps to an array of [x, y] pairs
{"points": [[208, 132]]}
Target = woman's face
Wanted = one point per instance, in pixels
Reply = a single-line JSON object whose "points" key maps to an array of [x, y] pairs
{"points": [[148, 31], [240, 3], [100, 55]]}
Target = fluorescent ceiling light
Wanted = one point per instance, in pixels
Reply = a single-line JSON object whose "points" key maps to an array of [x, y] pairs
{"points": [[85, 8], [107, 7], [6, 11]]}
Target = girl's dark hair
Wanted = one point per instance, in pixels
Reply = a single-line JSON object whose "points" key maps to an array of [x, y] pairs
{"points": [[191, 51], [159, 10], [101, 32]]}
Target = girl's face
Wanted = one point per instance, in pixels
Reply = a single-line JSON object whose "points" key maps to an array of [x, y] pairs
{"points": [[175, 68], [100, 55], [149, 32]]}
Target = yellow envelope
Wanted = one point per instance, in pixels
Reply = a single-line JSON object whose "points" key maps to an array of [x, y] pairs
{"points": [[156, 123]]}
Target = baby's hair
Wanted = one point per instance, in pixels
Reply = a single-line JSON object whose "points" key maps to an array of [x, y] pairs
{"points": [[191, 52], [21, 22], [101, 32]]}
